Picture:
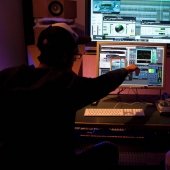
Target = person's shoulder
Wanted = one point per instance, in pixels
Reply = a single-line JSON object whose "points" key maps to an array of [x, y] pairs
{"points": [[16, 68]]}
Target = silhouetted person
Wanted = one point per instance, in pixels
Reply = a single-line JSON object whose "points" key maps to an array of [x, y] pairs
{"points": [[39, 107]]}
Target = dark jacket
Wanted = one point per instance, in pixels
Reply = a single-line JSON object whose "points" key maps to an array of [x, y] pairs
{"points": [[38, 112]]}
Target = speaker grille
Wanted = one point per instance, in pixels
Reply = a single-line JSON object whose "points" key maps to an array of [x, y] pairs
{"points": [[55, 8], [141, 158]]}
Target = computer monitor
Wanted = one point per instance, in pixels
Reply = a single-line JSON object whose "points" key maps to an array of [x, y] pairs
{"points": [[128, 20], [149, 57]]}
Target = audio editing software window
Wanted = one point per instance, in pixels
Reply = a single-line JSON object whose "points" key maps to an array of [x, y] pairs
{"points": [[149, 58], [129, 20]]}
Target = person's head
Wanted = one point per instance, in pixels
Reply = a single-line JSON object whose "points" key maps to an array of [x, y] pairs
{"points": [[57, 44]]}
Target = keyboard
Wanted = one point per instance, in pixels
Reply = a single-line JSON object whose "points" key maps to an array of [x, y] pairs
{"points": [[113, 112]]}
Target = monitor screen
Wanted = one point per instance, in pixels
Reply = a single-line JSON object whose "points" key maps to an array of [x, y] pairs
{"points": [[129, 20], [149, 57]]}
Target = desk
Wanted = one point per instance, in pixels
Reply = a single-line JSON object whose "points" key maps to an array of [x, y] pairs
{"points": [[152, 118], [134, 135]]}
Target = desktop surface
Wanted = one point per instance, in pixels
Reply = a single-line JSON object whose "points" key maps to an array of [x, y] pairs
{"points": [[152, 118]]}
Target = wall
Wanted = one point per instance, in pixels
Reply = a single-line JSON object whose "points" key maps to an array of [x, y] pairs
{"points": [[12, 47]]}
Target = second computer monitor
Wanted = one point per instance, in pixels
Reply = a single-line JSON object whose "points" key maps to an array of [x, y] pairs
{"points": [[150, 58]]}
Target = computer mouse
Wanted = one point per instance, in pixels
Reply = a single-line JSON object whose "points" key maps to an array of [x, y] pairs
{"points": [[95, 103]]}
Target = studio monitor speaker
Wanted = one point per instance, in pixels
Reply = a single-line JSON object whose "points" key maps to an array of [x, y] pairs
{"points": [[55, 8]]}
